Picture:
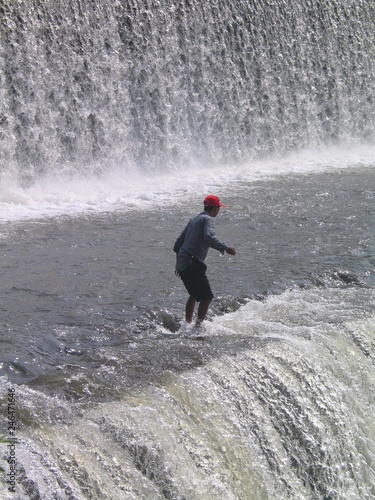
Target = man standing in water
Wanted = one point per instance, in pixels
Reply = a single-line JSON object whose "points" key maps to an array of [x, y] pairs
{"points": [[191, 248]]}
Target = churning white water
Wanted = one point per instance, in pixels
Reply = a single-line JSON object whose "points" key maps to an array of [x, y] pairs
{"points": [[117, 118]]}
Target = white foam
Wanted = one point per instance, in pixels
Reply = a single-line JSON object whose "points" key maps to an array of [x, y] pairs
{"points": [[117, 190], [297, 313]]}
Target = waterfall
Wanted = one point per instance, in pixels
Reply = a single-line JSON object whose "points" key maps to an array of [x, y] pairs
{"points": [[113, 114], [164, 84]]}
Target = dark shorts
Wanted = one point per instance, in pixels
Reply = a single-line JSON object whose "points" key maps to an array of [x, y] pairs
{"points": [[196, 282]]}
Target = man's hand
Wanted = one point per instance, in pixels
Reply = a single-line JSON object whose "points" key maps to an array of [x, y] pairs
{"points": [[231, 251]]}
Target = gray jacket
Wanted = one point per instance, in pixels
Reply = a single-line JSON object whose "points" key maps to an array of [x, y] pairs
{"points": [[195, 240]]}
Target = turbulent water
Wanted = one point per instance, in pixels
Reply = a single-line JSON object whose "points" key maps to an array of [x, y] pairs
{"points": [[117, 119], [117, 398], [168, 84]]}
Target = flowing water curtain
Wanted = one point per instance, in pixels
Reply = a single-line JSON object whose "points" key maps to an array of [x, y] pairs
{"points": [[160, 84], [63, 84]]}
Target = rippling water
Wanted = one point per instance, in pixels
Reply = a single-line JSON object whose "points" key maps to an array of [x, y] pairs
{"points": [[117, 119], [117, 398]]}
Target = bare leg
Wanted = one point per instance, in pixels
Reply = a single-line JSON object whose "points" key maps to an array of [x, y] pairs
{"points": [[189, 310], [202, 310]]}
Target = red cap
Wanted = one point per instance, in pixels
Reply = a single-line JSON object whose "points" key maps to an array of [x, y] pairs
{"points": [[212, 201]]}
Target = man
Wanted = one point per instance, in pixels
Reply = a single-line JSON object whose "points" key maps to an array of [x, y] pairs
{"points": [[191, 248]]}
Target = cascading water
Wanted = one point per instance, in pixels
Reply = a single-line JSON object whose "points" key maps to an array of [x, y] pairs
{"points": [[165, 84], [113, 115]]}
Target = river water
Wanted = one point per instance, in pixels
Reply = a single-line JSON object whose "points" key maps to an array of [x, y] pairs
{"points": [[117, 398], [116, 120]]}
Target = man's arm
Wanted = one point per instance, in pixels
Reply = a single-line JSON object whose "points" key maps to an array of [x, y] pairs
{"points": [[179, 242], [212, 241]]}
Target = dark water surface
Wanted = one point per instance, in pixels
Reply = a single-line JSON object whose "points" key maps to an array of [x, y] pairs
{"points": [[118, 399], [71, 284], [129, 114]]}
